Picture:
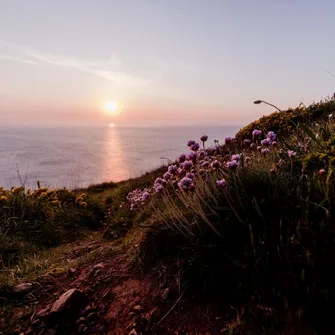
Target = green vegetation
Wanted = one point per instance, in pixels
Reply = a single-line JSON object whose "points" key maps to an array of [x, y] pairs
{"points": [[31, 220]]}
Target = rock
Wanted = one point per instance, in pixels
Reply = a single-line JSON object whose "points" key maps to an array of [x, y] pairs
{"points": [[138, 308], [71, 301], [91, 317], [80, 320], [82, 328], [23, 288], [43, 313]]}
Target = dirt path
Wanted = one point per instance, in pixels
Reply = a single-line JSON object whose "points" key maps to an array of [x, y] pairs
{"points": [[119, 297], [111, 295]]}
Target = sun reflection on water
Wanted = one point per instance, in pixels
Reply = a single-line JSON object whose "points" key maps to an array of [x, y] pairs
{"points": [[115, 159]]}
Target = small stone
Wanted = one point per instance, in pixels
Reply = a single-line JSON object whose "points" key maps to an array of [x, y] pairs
{"points": [[71, 301], [138, 308], [23, 288], [91, 317], [82, 328], [80, 320]]}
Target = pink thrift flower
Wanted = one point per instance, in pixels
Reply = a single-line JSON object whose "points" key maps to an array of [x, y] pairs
{"points": [[195, 147], [221, 183], [232, 165], [236, 157], [172, 169], [256, 132], [228, 140], [181, 158], [291, 153]]}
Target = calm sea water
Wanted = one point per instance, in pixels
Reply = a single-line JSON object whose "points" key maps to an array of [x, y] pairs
{"points": [[79, 156]]}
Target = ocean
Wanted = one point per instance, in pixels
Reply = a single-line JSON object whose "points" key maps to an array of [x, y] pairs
{"points": [[79, 156]]}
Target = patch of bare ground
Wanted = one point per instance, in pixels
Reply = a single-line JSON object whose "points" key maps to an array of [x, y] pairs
{"points": [[104, 291]]}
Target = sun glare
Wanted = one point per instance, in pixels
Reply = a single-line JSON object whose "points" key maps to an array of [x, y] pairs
{"points": [[111, 107]]}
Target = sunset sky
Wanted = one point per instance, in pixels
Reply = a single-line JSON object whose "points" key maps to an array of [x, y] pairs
{"points": [[163, 61]]}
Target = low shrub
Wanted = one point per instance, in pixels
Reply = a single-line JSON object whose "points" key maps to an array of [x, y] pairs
{"points": [[43, 218]]}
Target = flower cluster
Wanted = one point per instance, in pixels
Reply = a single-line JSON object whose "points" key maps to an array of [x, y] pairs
{"points": [[184, 174], [138, 196]]}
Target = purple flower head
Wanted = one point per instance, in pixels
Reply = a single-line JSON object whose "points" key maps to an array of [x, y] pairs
{"points": [[181, 172], [246, 142], [181, 158], [187, 165], [228, 140], [232, 165], [167, 175], [192, 156], [190, 175], [274, 144], [204, 163], [291, 153], [266, 142], [195, 147], [252, 146], [158, 188], [265, 151], [215, 164], [145, 196], [221, 183], [160, 181], [186, 183], [236, 157], [256, 132], [271, 135], [190, 143], [173, 169], [204, 138]]}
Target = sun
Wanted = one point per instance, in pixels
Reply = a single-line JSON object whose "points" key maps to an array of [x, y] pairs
{"points": [[111, 107]]}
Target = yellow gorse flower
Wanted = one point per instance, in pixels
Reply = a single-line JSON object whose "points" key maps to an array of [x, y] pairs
{"points": [[3, 198]]}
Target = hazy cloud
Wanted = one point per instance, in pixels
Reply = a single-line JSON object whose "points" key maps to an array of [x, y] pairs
{"points": [[27, 61], [111, 69]]}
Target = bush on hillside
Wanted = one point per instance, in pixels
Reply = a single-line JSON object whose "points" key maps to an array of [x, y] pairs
{"points": [[283, 122], [42, 218]]}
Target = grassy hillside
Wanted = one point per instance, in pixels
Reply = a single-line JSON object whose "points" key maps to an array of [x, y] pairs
{"points": [[250, 223]]}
